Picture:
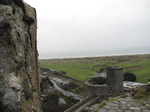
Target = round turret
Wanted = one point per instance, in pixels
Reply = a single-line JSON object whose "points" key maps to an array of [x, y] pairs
{"points": [[114, 79]]}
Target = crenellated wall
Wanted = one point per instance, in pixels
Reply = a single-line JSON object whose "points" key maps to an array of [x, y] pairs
{"points": [[19, 69]]}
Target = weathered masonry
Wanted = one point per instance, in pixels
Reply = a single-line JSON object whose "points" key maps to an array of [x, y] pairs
{"points": [[98, 89], [112, 86], [19, 69], [114, 78]]}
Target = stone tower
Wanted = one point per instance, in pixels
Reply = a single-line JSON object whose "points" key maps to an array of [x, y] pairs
{"points": [[19, 69], [115, 79]]}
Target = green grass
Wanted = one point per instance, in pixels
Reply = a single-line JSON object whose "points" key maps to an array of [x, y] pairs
{"points": [[83, 68]]}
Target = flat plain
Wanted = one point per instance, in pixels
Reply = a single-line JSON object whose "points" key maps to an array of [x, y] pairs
{"points": [[83, 68]]}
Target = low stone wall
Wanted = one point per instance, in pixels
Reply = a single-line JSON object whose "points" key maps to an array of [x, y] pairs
{"points": [[95, 90]]}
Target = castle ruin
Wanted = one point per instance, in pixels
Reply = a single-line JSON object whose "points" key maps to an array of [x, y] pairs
{"points": [[113, 85], [98, 89]]}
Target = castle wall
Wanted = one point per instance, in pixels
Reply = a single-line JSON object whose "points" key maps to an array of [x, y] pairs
{"points": [[19, 69]]}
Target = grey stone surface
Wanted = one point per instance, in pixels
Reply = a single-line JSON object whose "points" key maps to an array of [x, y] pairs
{"points": [[107, 107], [112, 111], [123, 102], [146, 110], [19, 68], [143, 107], [128, 111], [116, 102], [127, 104], [119, 110], [134, 108], [103, 110], [123, 107], [61, 101], [112, 104], [121, 99], [115, 107], [129, 99]]}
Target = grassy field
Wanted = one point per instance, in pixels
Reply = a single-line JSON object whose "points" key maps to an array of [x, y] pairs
{"points": [[83, 68]]}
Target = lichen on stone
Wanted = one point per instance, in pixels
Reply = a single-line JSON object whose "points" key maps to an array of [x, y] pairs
{"points": [[19, 69]]}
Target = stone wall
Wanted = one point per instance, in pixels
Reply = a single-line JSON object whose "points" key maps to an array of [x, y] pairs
{"points": [[96, 90], [114, 79], [113, 86], [19, 69]]}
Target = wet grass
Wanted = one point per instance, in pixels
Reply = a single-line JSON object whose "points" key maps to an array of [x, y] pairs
{"points": [[83, 68], [143, 94]]}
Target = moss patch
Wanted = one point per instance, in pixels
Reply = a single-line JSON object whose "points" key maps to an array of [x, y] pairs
{"points": [[102, 104], [113, 99]]}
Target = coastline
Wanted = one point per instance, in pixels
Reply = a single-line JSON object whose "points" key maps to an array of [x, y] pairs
{"points": [[94, 56], [94, 53]]}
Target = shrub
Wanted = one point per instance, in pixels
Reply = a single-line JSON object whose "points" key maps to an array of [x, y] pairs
{"points": [[63, 72], [129, 77], [70, 86], [51, 99], [50, 103], [102, 69], [45, 83], [55, 108]]}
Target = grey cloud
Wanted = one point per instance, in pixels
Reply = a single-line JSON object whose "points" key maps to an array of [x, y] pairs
{"points": [[92, 24]]}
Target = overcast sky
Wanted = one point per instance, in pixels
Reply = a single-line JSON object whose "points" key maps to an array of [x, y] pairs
{"points": [[71, 25]]}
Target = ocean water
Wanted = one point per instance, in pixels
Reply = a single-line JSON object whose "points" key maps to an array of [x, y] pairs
{"points": [[94, 53]]}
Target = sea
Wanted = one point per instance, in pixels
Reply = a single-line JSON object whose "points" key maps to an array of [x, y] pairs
{"points": [[93, 53]]}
